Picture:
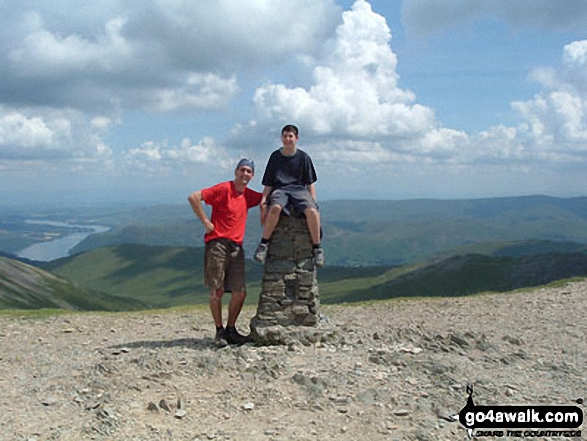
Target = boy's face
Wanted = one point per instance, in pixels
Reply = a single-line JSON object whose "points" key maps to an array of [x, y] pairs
{"points": [[289, 139], [243, 175]]}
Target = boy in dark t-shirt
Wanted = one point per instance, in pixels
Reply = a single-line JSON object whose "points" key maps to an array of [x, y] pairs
{"points": [[289, 185]]}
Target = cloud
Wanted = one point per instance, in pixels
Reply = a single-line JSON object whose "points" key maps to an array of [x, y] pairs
{"points": [[199, 91], [154, 55], [497, 145], [552, 129], [158, 157], [556, 119], [429, 17], [102, 122], [356, 154], [107, 72], [66, 83], [48, 134], [572, 76], [355, 91], [17, 129], [216, 34], [42, 52], [438, 145]]}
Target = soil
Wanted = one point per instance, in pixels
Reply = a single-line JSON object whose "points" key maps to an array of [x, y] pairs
{"points": [[397, 371]]}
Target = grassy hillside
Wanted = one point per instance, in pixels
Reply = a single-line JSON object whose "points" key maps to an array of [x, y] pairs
{"points": [[25, 287], [169, 276], [465, 275], [368, 233], [516, 248], [176, 234], [161, 276]]}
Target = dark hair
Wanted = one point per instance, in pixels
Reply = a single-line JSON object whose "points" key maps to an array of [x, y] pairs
{"points": [[290, 128]]}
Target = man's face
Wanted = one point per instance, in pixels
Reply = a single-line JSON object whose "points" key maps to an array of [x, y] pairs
{"points": [[244, 174], [289, 138]]}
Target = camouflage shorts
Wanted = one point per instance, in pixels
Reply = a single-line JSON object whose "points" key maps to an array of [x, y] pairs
{"points": [[224, 265]]}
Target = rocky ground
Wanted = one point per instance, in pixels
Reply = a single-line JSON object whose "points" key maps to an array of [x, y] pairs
{"points": [[396, 371]]}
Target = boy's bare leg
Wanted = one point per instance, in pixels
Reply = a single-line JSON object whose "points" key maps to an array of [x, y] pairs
{"points": [[234, 308], [313, 219], [216, 306], [271, 221]]}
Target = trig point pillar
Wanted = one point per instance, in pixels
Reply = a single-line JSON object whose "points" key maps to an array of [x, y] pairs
{"points": [[289, 304]]}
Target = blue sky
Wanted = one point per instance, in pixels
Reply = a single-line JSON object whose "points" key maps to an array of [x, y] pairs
{"points": [[148, 101]]}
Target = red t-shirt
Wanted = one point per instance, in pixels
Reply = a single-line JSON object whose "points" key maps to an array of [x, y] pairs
{"points": [[229, 210]]}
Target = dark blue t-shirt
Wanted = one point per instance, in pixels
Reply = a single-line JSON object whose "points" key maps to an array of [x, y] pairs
{"points": [[282, 170]]}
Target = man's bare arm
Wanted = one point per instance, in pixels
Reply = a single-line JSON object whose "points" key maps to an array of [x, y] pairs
{"points": [[195, 200]]}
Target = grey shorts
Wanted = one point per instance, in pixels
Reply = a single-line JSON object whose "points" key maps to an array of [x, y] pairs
{"points": [[224, 265], [293, 199]]}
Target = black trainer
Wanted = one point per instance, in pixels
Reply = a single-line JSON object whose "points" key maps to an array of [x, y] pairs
{"points": [[234, 338], [261, 252], [220, 337], [319, 258]]}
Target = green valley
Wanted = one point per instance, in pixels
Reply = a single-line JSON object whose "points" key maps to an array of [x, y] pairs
{"points": [[170, 276]]}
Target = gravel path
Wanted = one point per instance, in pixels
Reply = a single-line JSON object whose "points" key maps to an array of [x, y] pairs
{"points": [[398, 369]]}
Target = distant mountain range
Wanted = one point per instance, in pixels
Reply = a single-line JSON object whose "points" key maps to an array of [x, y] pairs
{"points": [[397, 232], [367, 233]]}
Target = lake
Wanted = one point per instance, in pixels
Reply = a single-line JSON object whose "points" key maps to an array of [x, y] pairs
{"points": [[58, 248]]}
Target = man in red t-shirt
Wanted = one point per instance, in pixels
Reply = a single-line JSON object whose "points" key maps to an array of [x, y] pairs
{"points": [[224, 260]]}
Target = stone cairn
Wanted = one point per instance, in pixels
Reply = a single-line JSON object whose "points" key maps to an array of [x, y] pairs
{"points": [[289, 304]]}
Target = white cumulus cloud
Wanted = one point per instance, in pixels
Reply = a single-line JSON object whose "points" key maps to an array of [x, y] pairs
{"points": [[199, 91], [156, 157], [553, 124], [33, 134], [18, 130], [355, 90], [556, 118]]}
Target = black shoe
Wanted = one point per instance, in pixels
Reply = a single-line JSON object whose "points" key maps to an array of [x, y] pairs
{"points": [[261, 252], [234, 338], [319, 259], [220, 337]]}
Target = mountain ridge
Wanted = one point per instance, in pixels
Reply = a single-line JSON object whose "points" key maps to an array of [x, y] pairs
{"points": [[367, 233], [23, 286]]}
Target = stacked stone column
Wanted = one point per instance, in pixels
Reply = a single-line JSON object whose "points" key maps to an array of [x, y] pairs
{"points": [[289, 304]]}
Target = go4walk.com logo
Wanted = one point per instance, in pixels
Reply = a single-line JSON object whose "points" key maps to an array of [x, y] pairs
{"points": [[520, 421]]}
